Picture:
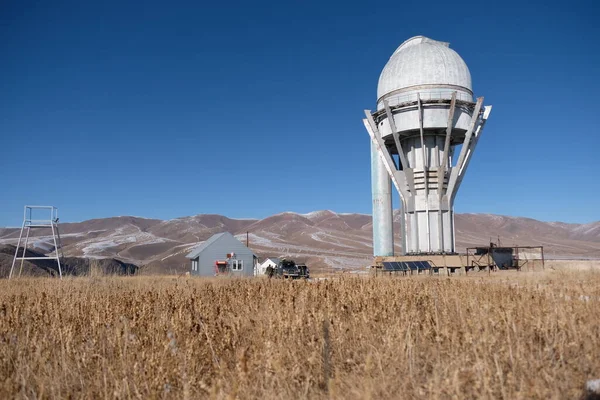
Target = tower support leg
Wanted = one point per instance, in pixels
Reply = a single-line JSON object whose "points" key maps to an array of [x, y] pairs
{"points": [[381, 188], [24, 251], [17, 251]]}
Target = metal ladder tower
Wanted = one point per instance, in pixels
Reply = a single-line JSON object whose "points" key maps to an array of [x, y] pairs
{"points": [[30, 223]]}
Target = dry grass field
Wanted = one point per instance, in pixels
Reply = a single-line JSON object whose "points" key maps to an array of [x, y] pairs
{"points": [[499, 336]]}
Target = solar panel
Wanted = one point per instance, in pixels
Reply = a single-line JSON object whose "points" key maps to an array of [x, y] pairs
{"points": [[395, 266], [388, 266], [405, 266], [413, 265]]}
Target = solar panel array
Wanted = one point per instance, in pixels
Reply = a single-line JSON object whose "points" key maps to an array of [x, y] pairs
{"points": [[406, 266]]}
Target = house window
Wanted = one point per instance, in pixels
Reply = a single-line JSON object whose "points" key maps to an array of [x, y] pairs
{"points": [[194, 265], [237, 265]]}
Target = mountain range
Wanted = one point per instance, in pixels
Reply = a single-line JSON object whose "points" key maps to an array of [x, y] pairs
{"points": [[322, 239]]}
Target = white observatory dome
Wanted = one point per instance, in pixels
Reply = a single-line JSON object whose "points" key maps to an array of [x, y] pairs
{"points": [[426, 66]]}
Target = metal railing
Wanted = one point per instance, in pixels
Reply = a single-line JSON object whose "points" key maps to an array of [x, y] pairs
{"points": [[443, 95]]}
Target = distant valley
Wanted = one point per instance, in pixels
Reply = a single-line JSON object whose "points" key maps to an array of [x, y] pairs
{"points": [[325, 240]]}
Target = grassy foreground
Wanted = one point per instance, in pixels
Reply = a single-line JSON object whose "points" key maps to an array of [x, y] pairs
{"points": [[509, 336]]}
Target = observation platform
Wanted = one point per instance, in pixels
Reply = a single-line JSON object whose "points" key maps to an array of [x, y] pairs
{"points": [[412, 100]]}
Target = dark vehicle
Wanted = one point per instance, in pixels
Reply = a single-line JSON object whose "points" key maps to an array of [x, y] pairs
{"points": [[289, 269]]}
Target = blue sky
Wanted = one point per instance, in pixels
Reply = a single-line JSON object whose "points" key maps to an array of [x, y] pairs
{"points": [[167, 109]]}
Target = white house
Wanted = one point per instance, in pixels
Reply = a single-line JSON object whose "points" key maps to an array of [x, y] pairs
{"points": [[269, 262]]}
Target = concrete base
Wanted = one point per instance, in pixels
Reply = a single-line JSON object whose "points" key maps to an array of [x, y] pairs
{"points": [[443, 264], [449, 263]]}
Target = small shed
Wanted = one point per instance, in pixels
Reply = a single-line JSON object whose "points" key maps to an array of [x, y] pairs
{"points": [[269, 262], [222, 254]]}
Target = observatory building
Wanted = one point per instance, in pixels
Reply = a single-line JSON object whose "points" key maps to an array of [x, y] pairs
{"points": [[423, 135]]}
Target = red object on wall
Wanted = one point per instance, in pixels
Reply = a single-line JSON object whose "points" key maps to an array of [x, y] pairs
{"points": [[220, 263]]}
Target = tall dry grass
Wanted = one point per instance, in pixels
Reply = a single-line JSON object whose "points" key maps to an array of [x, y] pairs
{"points": [[526, 336]]}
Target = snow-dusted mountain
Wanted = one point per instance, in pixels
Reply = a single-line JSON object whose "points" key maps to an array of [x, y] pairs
{"points": [[323, 239]]}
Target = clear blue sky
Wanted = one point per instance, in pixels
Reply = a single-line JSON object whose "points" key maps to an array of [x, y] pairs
{"points": [[167, 109]]}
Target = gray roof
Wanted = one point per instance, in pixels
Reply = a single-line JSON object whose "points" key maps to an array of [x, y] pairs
{"points": [[202, 246], [275, 260]]}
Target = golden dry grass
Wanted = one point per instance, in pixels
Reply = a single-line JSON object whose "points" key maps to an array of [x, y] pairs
{"points": [[501, 336]]}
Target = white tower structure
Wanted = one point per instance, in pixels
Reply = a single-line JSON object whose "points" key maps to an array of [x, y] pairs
{"points": [[30, 222], [423, 135]]}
